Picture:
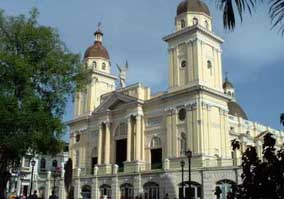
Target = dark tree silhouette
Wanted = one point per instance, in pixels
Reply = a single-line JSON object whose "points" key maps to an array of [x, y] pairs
{"points": [[262, 179], [231, 7]]}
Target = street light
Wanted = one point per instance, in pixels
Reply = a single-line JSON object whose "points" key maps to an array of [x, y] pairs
{"points": [[182, 163], [189, 156], [33, 164]]}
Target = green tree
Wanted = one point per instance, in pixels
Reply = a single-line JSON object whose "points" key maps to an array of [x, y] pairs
{"points": [[231, 7], [37, 76], [261, 179]]}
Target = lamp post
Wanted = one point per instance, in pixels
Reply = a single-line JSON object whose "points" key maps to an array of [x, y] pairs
{"points": [[189, 156], [33, 165], [182, 163], [56, 172]]}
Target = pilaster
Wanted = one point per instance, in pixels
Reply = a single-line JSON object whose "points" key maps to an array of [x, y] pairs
{"points": [[107, 143], [48, 185], [100, 145]]}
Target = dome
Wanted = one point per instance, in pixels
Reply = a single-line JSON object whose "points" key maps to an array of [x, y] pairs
{"points": [[97, 50], [236, 110], [227, 84], [192, 6]]}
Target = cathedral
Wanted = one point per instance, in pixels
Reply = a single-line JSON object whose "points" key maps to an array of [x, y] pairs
{"points": [[127, 143]]}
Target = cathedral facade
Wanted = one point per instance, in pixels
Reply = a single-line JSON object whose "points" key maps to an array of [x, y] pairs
{"points": [[127, 143]]}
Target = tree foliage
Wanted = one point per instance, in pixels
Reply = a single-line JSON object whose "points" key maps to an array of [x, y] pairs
{"points": [[231, 7], [262, 179], [37, 76]]}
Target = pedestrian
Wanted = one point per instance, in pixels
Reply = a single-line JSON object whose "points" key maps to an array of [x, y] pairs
{"points": [[53, 196], [34, 196]]}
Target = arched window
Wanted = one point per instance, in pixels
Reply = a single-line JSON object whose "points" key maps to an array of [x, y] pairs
{"points": [[195, 190], [42, 164], [126, 191], [183, 64], [226, 187], [182, 114], [54, 163], [209, 67], [103, 66], [105, 191], [94, 64], [182, 143], [86, 192], [206, 24], [77, 137], [195, 21], [151, 190], [182, 23]]}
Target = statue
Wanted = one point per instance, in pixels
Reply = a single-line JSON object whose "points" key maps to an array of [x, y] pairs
{"points": [[122, 74]]}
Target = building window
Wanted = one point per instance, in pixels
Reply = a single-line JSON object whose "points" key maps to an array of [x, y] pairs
{"points": [[195, 21], [182, 23], [94, 64], [105, 191], [86, 192], [104, 66], [183, 64], [195, 190], [156, 153], [77, 137], [155, 143], [151, 190], [209, 67], [206, 24], [182, 114], [42, 164], [226, 187], [126, 191], [182, 143]]}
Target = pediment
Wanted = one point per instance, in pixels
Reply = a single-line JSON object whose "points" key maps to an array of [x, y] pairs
{"points": [[114, 101]]}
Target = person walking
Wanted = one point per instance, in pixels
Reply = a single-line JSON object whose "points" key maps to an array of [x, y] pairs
{"points": [[53, 196], [34, 196]]}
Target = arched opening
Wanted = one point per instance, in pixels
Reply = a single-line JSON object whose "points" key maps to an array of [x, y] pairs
{"points": [[105, 191], [182, 144], [182, 114], [94, 160], [42, 164], [126, 191], [195, 190], [182, 23], [86, 192], [210, 67], [94, 64], [183, 64], [121, 145], [156, 153], [195, 21], [104, 66], [225, 186], [151, 190], [206, 24]]}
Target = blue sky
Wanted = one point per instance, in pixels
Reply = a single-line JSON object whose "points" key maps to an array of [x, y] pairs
{"points": [[253, 55]]}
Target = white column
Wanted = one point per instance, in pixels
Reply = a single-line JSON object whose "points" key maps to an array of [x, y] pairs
{"points": [[138, 137], [129, 139], [169, 132], [100, 145], [62, 192], [77, 187], [107, 143], [48, 187]]}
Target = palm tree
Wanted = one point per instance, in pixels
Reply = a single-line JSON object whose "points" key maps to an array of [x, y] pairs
{"points": [[230, 7]]}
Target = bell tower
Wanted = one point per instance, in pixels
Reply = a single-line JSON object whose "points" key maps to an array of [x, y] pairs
{"points": [[97, 58], [194, 50]]}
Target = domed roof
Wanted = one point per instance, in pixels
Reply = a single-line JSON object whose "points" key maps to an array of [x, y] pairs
{"points": [[236, 110], [192, 6], [97, 50], [227, 84]]}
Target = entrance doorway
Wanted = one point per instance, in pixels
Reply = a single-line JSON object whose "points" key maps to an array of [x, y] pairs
{"points": [[156, 158], [121, 153]]}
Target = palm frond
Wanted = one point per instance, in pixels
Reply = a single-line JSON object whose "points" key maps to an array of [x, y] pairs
{"points": [[276, 12], [227, 6]]}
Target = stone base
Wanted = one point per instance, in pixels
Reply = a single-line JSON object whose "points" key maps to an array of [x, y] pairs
{"points": [[134, 167], [104, 169]]}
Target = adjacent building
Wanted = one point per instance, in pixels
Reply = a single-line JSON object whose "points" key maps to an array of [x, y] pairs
{"points": [[126, 142]]}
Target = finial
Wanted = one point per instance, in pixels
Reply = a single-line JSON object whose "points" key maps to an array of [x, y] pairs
{"points": [[226, 76], [99, 26], [98, 34]]}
